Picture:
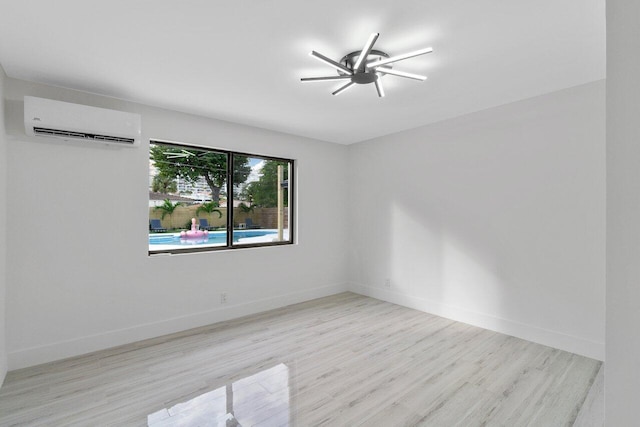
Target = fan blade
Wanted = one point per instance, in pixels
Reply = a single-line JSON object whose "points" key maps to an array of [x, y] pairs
{"points": [[331, 62], [398, 73], [343, 88], [399, 57], [324, 79], [366, 50], [379, 87]]}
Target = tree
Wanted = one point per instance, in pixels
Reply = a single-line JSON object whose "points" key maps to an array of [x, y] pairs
{"points": [[192, 164], [264, 192], [164, 184], [168, 208], [209, 207]]}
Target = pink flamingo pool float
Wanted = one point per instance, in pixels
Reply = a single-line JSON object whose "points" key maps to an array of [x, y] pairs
{"points": [[194, 233]]}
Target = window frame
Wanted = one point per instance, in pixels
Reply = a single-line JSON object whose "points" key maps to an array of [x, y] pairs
{"points": [[230, 198]]}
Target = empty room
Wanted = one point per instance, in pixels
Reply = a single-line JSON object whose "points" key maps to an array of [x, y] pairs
{"points": [[281, 213]]}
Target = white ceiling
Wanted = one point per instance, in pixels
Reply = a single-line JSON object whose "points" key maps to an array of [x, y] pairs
{"points": [[242, 60]]}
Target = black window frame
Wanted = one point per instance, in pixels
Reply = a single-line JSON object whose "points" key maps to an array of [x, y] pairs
{"points": [[230, 198]]}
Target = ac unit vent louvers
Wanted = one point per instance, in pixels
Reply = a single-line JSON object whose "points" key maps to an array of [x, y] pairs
{"points": [[81, 135]]}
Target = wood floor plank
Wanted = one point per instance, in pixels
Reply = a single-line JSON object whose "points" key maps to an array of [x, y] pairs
{"points": [[592, 412], [344, 360]]}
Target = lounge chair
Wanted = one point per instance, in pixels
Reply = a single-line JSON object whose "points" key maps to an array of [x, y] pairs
{"points": [[250, 224], [204, 225], [156, 226]]}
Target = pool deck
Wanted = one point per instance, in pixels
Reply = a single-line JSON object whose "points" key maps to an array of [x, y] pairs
{"points": [[267, 238]]}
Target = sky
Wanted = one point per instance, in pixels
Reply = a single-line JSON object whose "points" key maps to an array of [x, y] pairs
{"points": [[256, 169]]}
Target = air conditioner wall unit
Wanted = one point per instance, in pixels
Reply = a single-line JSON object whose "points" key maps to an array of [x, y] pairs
{"points": [[57, 119]]}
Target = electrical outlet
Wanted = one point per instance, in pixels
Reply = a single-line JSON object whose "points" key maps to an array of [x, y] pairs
{"points": [[387, 283], [223, 298]]}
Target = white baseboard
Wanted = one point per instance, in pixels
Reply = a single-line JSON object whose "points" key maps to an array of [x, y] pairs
{"points": [[3, 372], [24, 358], [555, 339]]}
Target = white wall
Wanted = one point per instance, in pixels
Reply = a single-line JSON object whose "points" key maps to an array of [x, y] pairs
{"points": [[79, 275], [622, 376], [3, 231], [496, 219]]}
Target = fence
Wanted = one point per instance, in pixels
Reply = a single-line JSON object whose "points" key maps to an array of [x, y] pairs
{"points": [[181, 217]]}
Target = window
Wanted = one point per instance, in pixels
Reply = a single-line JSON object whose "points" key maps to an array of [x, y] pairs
{"points": [[204, 199]]}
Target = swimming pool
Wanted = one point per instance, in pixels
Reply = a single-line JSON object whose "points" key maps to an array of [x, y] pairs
{"points": [[166, 241]]}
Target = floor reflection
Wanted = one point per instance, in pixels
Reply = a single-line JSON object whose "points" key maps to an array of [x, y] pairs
{"points": [[260, 399]]}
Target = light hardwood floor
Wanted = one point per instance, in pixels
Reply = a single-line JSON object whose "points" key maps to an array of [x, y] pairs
{"points": [[344, 360]]}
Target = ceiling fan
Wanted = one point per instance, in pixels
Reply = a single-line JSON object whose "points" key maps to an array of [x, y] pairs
{"points": [[366, 66]]}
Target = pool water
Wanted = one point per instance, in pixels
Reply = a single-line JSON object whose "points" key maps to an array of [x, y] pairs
{"points": [[215, 237]]}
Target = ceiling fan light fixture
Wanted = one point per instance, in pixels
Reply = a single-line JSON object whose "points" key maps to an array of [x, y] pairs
{"points": [[357, 67]]}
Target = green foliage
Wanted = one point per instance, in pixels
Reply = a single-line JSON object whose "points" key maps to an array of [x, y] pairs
{"points": [[246, 208], [209, 207], [168, 208], [264, 192], [191, 164], [164, 184]]}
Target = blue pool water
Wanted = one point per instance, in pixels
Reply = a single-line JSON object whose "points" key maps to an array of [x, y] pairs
{"points": [[215, 237]]}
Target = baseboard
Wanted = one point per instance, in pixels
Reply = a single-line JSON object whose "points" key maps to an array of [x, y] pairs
{"points": [[3, 373], [555, 339], [61, 350]]}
